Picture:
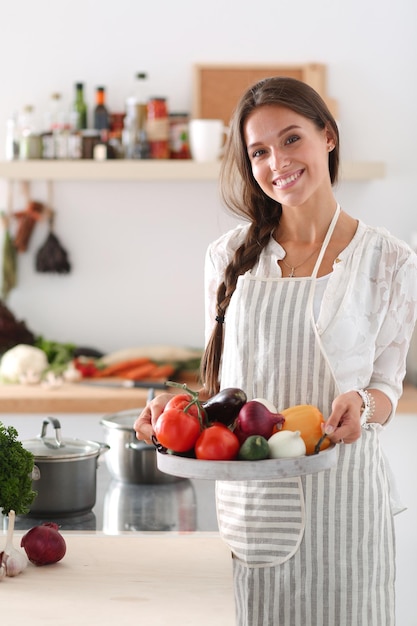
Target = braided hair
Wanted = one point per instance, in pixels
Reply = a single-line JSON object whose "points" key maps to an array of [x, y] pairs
{"points": [[244, 198]]}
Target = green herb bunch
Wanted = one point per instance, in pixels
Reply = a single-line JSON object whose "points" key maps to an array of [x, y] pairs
{"points": [[16, 467]]}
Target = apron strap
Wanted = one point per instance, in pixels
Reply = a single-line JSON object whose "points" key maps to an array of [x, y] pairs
{"points": [[323, 249], [327, 238]]}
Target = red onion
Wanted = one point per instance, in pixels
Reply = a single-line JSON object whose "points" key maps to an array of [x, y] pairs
{"points": [[255, 419], [44, 544]]}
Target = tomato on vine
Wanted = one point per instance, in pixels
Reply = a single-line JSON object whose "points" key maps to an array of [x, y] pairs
{"points": [[184, 402], [176, 430]]}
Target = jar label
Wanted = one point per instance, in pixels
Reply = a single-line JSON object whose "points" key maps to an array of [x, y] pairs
{"points": [[158, 130]]}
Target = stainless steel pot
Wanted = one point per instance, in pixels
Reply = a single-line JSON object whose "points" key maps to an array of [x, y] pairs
{"points": [[130, 460], [67, 477], [128, 507]]}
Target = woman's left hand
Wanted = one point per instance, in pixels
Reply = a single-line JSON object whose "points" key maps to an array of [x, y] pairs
{"points": [[344, 422]]}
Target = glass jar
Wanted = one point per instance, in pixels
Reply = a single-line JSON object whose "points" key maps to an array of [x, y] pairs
{"points": [[89, 139], [157, 128], [179, 147]]}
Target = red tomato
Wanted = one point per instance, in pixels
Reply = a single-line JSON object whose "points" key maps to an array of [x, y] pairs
{"points": [[177, 430], [217, 443], [86, 367], [181, 401]]}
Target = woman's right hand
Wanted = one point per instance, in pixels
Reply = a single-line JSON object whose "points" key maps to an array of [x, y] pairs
{"points": [[145, 423]]}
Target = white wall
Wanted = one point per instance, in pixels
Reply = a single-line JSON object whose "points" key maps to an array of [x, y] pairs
{"points": [[137, 249]]}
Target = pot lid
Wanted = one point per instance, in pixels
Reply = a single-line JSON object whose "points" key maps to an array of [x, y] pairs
{"points": [[48, 448], [123, 420]]}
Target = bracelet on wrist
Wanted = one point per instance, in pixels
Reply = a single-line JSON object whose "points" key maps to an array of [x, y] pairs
{"points": [[368, 406]]}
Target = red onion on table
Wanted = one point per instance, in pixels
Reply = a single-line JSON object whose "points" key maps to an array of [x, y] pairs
{"points": [[44, 544]]}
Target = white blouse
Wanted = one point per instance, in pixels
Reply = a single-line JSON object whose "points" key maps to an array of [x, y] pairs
{"points": [[368, 304]]}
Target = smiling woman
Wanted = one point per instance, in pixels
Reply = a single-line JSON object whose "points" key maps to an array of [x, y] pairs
{"points": [[306, 305], [289, 155]]}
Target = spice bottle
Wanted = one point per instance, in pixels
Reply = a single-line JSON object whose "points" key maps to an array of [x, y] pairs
{"points": [[30, 142], [80, 107], [50, 126], [141, 100], [134, 123], [12, 138], [101, 113], [74, 137], [157, 128]]}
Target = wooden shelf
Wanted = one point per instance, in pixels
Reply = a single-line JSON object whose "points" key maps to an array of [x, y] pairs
{"points": [[158, 170]]}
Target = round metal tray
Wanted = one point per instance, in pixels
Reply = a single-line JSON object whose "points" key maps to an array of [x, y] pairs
{"points": [[267, 469]]}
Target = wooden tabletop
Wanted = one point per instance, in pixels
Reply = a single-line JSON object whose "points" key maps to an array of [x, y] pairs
{"points": [[152, 578], [77, 398]]}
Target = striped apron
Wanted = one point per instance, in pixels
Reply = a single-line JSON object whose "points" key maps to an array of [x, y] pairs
{"points": [[317, 550]]}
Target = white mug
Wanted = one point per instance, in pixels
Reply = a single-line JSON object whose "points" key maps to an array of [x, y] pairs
{"points": [[206, 139]]}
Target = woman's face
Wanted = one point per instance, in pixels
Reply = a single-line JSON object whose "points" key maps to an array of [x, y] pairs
{"points": [[289, 155]]}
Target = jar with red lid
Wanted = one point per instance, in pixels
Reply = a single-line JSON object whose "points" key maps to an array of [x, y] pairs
{"points": [[157, 128]]}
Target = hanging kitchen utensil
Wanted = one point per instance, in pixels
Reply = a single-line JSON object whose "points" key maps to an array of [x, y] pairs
{"points": [[9, 268], [52, 257], [13, 331], [9, 265], [27, 220]]}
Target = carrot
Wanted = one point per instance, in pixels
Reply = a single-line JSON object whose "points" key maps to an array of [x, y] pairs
{"points": [[163, 371], [142, 371], [117, 369]]}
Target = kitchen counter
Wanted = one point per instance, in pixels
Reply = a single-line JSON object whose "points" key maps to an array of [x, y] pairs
{"points": [[76, 398], [157, 579], [69, 398]]}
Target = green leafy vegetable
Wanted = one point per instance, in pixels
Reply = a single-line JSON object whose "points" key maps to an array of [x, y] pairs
{"points": [[58, 354], [16, 466]]}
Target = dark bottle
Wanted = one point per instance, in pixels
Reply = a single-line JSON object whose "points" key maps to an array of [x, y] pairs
{"points": [[80, 107], [101, 113]]}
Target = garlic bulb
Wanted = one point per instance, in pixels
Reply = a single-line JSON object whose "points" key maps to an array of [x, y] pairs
{"points": [[12, 560], [71, 374], [52, 381], [286, 444]]}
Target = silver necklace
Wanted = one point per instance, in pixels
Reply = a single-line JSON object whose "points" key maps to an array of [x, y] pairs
{"points": [[292, 268]]}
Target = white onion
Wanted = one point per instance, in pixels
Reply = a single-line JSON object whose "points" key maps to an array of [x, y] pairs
{"points": [[286, 444]]}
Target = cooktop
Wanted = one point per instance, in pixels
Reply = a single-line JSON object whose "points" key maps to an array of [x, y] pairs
{"points": [[183, 506]]}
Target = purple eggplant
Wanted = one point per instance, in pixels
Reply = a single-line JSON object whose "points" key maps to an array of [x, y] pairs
{"points": [[225, 406]]}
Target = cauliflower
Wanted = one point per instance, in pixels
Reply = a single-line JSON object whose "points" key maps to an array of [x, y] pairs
{"points": [[23, 362]]}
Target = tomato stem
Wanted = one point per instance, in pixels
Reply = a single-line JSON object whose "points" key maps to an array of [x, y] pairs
{"points": [[192, 393], [194, 400]]}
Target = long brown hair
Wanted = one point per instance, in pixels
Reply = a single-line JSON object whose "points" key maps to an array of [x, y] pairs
{"points": [[243, 196]]}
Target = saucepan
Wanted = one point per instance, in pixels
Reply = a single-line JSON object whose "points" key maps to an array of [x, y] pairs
{"points": [[130, 460], [66, 476]]}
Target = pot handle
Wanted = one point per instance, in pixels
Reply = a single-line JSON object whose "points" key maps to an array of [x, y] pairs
{"points": [[103, 448], [57, 426], [140, 445]]}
